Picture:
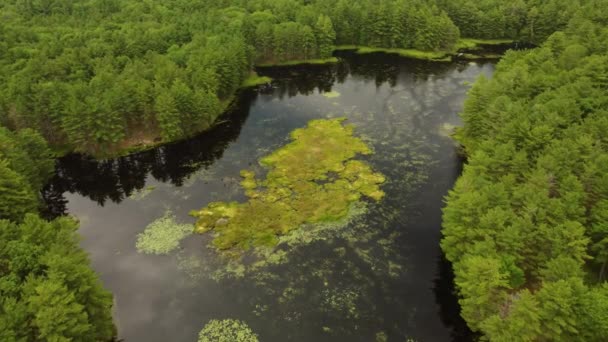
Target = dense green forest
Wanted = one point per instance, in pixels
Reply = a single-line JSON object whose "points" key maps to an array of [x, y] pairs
{"points": [[526, 226], [102, 75], [48, 291]]}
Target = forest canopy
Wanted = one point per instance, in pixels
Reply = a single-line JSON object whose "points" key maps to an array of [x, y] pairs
{"points": [[48, 292], [102, 75], [526, 226]]}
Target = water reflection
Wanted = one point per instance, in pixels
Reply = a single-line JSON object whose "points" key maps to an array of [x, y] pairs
{"points": [[116, 179]]}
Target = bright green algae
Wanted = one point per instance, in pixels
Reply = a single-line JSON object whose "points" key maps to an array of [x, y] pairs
{"points": [[312, 180]]}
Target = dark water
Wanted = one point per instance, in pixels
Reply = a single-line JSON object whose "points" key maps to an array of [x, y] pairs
{"points": [[380, 276]]}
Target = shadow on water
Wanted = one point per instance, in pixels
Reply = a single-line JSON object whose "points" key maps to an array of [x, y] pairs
{"points": [[383, 277], [116, 179], [448, 302]]}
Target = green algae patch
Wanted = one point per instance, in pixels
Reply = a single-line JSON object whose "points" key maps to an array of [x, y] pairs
{"points": [[409, 53], [254, 80], [163, 235], [447, 129], [436, 56], [312, 180], [139, 195], [331, 94], [227, 330], [472, 44], [315, 61]]}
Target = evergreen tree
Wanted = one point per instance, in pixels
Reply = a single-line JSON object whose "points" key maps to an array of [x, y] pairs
{"points": [[16, 196], [49, 292], [326, 36], [167, 116]]}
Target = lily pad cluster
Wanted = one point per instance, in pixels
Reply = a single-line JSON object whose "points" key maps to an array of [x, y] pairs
{"points": [[227, 330], [163, 235], [312, 180]]}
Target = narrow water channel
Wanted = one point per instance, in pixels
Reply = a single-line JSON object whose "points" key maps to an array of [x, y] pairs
{"points": [[380, 278]]}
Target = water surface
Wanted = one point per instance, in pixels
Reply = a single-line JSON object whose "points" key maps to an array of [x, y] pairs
{"points": [[382, 275]]}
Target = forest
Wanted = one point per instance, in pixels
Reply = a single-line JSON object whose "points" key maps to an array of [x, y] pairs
{"points": [[526, 226], [100, 76]]}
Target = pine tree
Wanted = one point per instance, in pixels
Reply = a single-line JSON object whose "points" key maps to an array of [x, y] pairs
{"points": [[16, 196], [326, 36], [522, 322], [168, 116], [56, 313], [49, 292], [309, 43]]}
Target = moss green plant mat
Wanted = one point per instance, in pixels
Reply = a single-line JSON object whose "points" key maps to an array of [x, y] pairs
{"points": [[315, 61], [312, 180], [255, 80], [331, 94], [471, 43], [227, 330], [163, 235], [437, 56]]}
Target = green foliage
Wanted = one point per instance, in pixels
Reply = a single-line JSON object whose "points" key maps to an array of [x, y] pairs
{"points": [[47, 290], [525, 225], [129, 69], [409, 53], [168, 116], [525, 20], [227, 330], [162, 236], [26, 163], [27, 154], [255, 80], [331, 94], [312, 180], [521, 324], [326, 36], [314, 61], [16, 196], [129, 72]]}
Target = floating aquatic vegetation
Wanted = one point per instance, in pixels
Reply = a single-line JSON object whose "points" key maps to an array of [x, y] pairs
{"points": [[447, 129], [312, 180], [163, 235], [342, 301], [381, 337], [192, 265], [331, 94], [227, 330], [142, 193], [205, 175]]}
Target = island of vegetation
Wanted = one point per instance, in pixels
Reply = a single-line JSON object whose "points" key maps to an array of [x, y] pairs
{"points": [[312, 180]]}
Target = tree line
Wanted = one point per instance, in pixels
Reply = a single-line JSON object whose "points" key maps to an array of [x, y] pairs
{"points": [[526, 226], [100, 75]]}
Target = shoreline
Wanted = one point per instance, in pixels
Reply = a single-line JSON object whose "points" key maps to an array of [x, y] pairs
{"points": [[464, 49]]}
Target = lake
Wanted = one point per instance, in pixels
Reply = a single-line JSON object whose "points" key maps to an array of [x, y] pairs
{"points": [[381, 277]]}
